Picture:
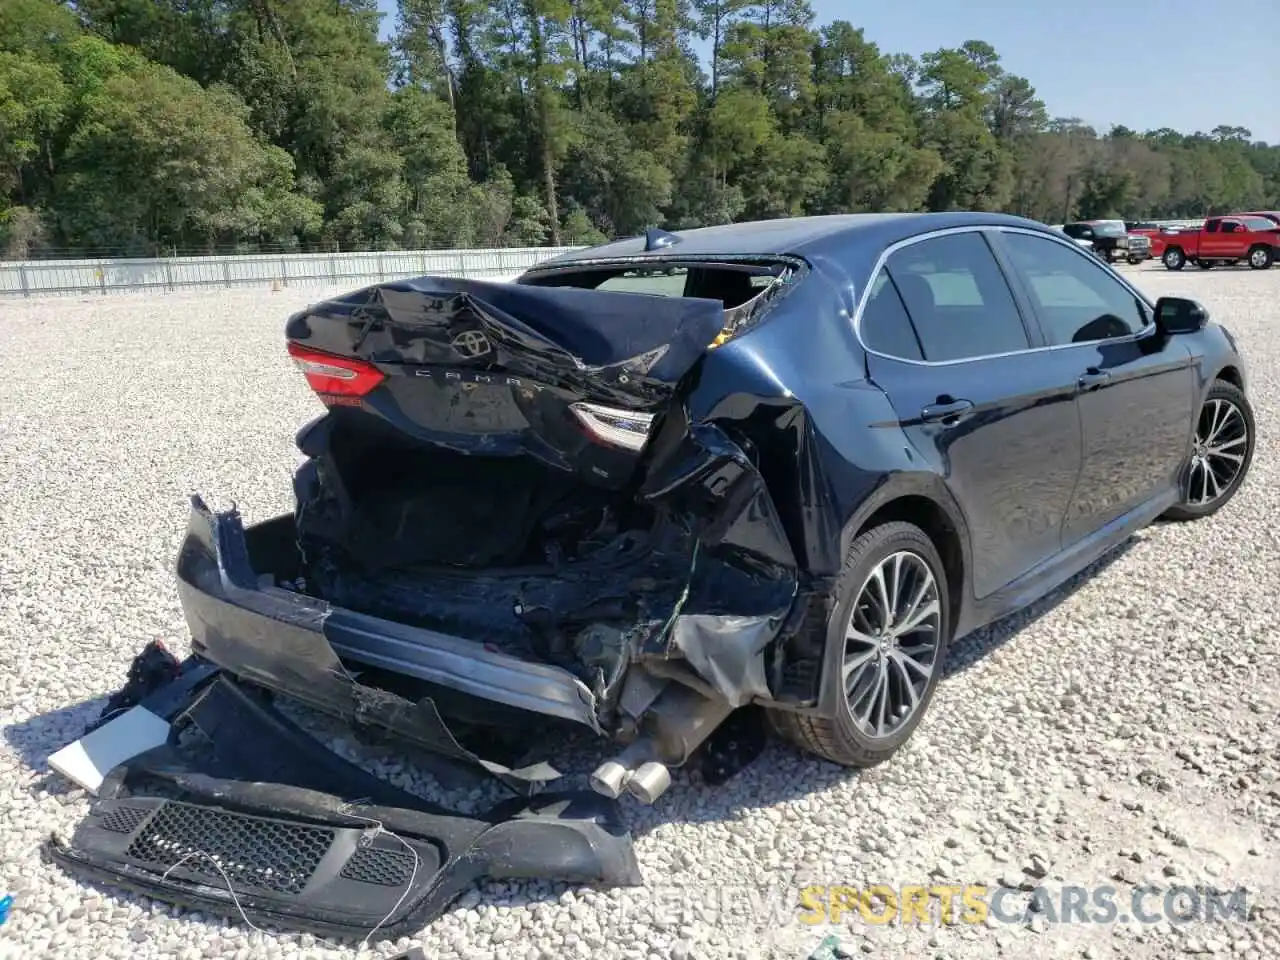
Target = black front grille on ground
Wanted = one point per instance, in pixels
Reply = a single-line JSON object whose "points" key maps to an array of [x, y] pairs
{"points": [[252, 851], [386, 868]]}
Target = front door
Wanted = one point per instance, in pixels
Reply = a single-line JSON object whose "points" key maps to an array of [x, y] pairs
{"points": [[1224, 241], [996, 419], [1136, 388]]}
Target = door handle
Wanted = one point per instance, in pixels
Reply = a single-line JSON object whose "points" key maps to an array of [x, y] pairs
{"points": [[948, 412], [1092, 378]]}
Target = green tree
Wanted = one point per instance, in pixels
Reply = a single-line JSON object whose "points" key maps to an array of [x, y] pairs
{"points": [[158, 159]]}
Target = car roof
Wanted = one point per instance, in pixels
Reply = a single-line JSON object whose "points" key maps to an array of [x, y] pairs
{"points": [[798, 236]]}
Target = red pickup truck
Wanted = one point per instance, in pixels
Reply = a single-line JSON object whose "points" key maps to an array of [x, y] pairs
{"points": [[1221, 241]]}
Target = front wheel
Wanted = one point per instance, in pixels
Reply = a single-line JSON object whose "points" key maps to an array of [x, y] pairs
{"points": [[1174, 258], [885, 647], [1261, 258], [1221, 453]]}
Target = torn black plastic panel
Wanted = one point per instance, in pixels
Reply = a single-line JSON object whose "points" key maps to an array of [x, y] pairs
{"points": [[256, 816]]}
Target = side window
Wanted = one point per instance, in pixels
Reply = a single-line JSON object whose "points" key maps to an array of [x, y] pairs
{"points": [[1211, 226], [885, 326], [1230, 226], [957, 298], [1077, 300]]}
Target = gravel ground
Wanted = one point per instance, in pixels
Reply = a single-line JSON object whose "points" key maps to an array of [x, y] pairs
{"points": [[1121, 732]]}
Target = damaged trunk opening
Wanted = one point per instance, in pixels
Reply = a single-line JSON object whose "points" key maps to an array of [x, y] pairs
{"points": [[507, 552]]}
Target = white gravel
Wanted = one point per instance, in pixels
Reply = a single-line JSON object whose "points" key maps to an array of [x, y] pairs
{"points": [[1124, 727]]}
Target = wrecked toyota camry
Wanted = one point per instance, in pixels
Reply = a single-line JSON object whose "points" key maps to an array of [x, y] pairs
{"points": [[774, 464]]}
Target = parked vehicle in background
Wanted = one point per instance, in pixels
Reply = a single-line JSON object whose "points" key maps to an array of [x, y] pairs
{"points": [[1110, 240], [780, 463], [1222, 241], [1083, 244]]}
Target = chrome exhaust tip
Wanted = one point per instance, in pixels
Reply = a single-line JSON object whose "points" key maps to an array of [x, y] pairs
{"points": [[610, 778], [649, 781]]}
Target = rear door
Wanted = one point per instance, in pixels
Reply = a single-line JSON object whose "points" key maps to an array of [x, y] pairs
{"points": [[993, 416], [1136, 389]]}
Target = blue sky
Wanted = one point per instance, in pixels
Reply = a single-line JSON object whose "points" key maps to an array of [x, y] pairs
{"points": [[1142, 63]]}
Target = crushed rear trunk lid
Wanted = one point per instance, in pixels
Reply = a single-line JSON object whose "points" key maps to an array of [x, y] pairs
{"points": [[571, 377]]}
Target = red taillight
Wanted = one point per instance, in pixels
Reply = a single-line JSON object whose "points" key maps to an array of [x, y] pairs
{"points": [[338, 380]]}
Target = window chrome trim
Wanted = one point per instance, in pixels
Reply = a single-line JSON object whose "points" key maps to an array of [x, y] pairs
{"points": [[1064, 241]]}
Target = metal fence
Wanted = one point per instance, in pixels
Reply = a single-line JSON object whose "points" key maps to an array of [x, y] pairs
{"points": [[38, 278]]}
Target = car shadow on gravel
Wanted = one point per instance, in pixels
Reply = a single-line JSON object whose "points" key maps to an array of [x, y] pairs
{"points": [[968, 651]]}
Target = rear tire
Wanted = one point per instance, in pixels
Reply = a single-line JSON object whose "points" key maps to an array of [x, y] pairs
{"points": [[1261, 258], [1174, 258], [857, 658], [1227, 409]]}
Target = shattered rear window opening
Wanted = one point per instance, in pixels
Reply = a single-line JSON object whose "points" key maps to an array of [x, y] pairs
{"points": [[744, 287]]}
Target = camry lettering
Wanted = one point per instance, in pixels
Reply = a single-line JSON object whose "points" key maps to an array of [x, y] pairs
{"points": [[457, 376]]}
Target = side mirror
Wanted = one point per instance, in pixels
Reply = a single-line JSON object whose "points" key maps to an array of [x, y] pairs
{"points": [[1179, 315]]}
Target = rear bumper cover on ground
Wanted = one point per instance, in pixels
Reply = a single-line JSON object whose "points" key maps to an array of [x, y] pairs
{"points": [[262, 819]]}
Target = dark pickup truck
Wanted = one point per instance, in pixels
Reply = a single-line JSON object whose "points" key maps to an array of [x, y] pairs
{"points": [[1110, 240], [1222, 241]]}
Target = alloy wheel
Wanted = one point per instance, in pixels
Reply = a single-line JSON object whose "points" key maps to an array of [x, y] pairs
{"points": [[891, 643], [1258, 259], [1217, 457]]}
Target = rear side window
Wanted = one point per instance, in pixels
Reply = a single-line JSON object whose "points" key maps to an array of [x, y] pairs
{"points": [[886, 328], [956, 298]]}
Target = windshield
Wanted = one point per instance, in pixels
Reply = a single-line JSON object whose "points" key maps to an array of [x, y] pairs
{"points": [[1257, 223], [1109, 229]]}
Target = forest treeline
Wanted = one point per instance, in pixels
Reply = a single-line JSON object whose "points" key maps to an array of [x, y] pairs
{"points": [[133, 126]]}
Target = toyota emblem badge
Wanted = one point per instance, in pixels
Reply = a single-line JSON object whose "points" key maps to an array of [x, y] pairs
{"points": [[471, 344]]}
